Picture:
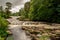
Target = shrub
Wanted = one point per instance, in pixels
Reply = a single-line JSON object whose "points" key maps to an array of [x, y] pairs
{"points": [[3, 27]]}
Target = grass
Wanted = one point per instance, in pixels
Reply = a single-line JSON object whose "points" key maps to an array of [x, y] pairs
{"points": [[44, 37], [2, 38]]}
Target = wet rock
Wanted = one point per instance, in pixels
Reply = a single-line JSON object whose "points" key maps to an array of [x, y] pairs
{"points": [[38, 35]]}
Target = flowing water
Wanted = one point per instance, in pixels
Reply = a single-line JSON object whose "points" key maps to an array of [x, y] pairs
{"points": [[15, 28]]}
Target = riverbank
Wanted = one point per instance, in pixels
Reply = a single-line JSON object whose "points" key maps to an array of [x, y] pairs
{"points": [[42, 31]]}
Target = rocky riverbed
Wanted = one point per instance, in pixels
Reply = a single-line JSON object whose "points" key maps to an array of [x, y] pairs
{"points": [[29, 30], [16, 29], [42, 31]]}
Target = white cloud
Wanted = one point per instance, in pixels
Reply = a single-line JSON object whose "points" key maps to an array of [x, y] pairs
{"points": [[16, 8], [26, 0]]}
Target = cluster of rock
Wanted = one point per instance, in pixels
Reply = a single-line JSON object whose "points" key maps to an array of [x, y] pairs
{"points": [[35, 32]]}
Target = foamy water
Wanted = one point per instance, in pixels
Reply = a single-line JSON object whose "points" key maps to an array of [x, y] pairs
{"points": [[16, 29]]}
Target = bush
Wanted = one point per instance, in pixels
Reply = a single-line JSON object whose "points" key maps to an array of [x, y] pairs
{"points": [[45, 10], [3, 27]]}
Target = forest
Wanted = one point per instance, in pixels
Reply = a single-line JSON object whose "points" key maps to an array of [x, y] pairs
{"points": [[42, 10]]}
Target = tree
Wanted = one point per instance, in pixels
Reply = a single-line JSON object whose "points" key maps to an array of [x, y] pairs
{"points": [[22, 12], [1, 10], [7, 9], [9, 5], [44, 10], [2, 14], [25, 11], [26, 8]]}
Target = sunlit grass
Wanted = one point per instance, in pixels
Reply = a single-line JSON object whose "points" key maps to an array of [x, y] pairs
{"points": [[44, 38], [2, 38]]}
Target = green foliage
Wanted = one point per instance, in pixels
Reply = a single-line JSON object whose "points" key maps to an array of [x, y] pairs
{"points": [[24, 11], [3, 27], [7, 9], [2, 14], [45, 10], [3, 24], [9, 5], [7, 12], [39, 9], [44, 38], [42, 10], [2, 38], [15, 14], [27, 8], [22, 14]]}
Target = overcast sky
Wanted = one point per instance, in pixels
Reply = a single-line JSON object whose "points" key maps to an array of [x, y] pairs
{"points": [[16, 4]]}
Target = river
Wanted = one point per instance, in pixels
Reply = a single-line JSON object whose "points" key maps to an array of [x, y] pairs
{"points": [[15, 28]]}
